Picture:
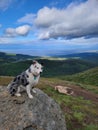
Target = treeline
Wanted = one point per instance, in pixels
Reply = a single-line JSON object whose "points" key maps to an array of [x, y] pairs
{"points": [[51, 68]]}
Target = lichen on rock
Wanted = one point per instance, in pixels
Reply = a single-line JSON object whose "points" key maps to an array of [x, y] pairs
{"points": [[22, 113]]}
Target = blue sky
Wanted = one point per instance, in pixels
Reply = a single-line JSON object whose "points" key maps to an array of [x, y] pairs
{"points": [[48, 27]]}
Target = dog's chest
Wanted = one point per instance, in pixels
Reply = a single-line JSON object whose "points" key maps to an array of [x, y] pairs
{"points": [[33, 80]]}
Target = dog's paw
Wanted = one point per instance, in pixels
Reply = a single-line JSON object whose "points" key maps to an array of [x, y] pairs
{"points": [[33, 91], [18, 94], [30, 96]]}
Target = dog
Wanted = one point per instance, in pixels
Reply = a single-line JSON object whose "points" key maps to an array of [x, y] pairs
{"points": [[27, 80], [64, 90]]}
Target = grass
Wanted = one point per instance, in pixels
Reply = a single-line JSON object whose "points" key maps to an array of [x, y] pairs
{"points": [[89, 77], [10, 54], [80, 114], [53, 58], [76, 109], [91, 88], [4, 80]]}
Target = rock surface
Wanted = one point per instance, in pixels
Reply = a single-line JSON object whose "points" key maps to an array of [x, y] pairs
{"points": [[22, 113]]}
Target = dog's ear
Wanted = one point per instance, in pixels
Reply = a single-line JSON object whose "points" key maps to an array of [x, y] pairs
{"points": [[42, 64], [34, 62]]}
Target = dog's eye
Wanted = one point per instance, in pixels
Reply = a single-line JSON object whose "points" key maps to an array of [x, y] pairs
{"points": [[36, 67]]}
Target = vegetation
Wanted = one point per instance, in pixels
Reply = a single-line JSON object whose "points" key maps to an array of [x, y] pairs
{"points": [[75, 108], [13, 69], [81, 108], [51, 68], [80, 114], [4, 80], [89, 77], [8, 58], [88, 56]]}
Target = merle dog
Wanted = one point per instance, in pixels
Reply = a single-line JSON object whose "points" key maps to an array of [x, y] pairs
{"points": [[27, 79]]}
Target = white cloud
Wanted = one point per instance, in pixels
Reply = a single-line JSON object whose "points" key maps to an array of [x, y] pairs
{"points": [[5, 40], [21, 31], [28, 18], [77, 20], [4, 4], [10, 32]]}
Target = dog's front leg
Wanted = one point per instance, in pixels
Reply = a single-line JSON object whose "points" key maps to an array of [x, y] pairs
{"points": [[33, 90], [28, 89]]}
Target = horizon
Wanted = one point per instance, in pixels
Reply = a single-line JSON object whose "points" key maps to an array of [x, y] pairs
{"points": [[48, 27], [53, 55]]}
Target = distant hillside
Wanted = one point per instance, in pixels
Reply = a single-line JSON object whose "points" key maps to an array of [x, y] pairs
{"points": [[14, 68], [7, 57], [87, 77], [13, 64], [89, 56], [65, 67], [51, 68]]}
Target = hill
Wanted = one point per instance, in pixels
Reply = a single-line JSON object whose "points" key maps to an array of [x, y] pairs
{"points": [[75, 107], [52, 68], [9, 57], [65, 67], [88, 56], [87, 77]]}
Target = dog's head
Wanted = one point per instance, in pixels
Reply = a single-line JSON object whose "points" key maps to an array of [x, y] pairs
{"points": [[36, 68]]}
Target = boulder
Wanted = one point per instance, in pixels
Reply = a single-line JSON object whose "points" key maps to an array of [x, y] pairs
{"points": [[22, 113]]}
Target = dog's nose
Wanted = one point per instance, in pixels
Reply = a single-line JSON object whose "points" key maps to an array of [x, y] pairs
{"points": [[40, 72]]}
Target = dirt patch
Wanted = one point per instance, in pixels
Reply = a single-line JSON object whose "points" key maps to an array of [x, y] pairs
{"points": [[77, 90], [88, 95]]}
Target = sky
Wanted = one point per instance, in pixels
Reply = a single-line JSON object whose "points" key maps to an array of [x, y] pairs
{"points": [[48, 27]]}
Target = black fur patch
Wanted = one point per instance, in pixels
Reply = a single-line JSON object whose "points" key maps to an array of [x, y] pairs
{"points": [[19, 80], [26, 83], [27, 76], [15, 79], [13, 89], [29, 70], [18, 77], [22, 81]]}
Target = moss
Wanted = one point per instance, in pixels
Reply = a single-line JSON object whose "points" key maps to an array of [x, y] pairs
{"points": [[79, 113]]}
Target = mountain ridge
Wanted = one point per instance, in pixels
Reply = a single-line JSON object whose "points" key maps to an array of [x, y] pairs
{"points": [[52, 68], [89, 77]]}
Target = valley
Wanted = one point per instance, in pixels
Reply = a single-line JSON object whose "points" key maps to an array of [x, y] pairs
{"points": [[81, 108]]}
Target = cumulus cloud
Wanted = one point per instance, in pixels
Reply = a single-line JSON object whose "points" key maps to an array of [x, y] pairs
{"points": [[28, 18], [21, 31], [10, 32], [77, 20], [4, 4]]}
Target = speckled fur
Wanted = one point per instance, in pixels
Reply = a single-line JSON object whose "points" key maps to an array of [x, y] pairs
{"points": [[27, 80]]}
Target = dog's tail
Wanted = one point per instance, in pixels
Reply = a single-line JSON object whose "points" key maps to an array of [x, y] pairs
{"points": [[12, 88]]}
